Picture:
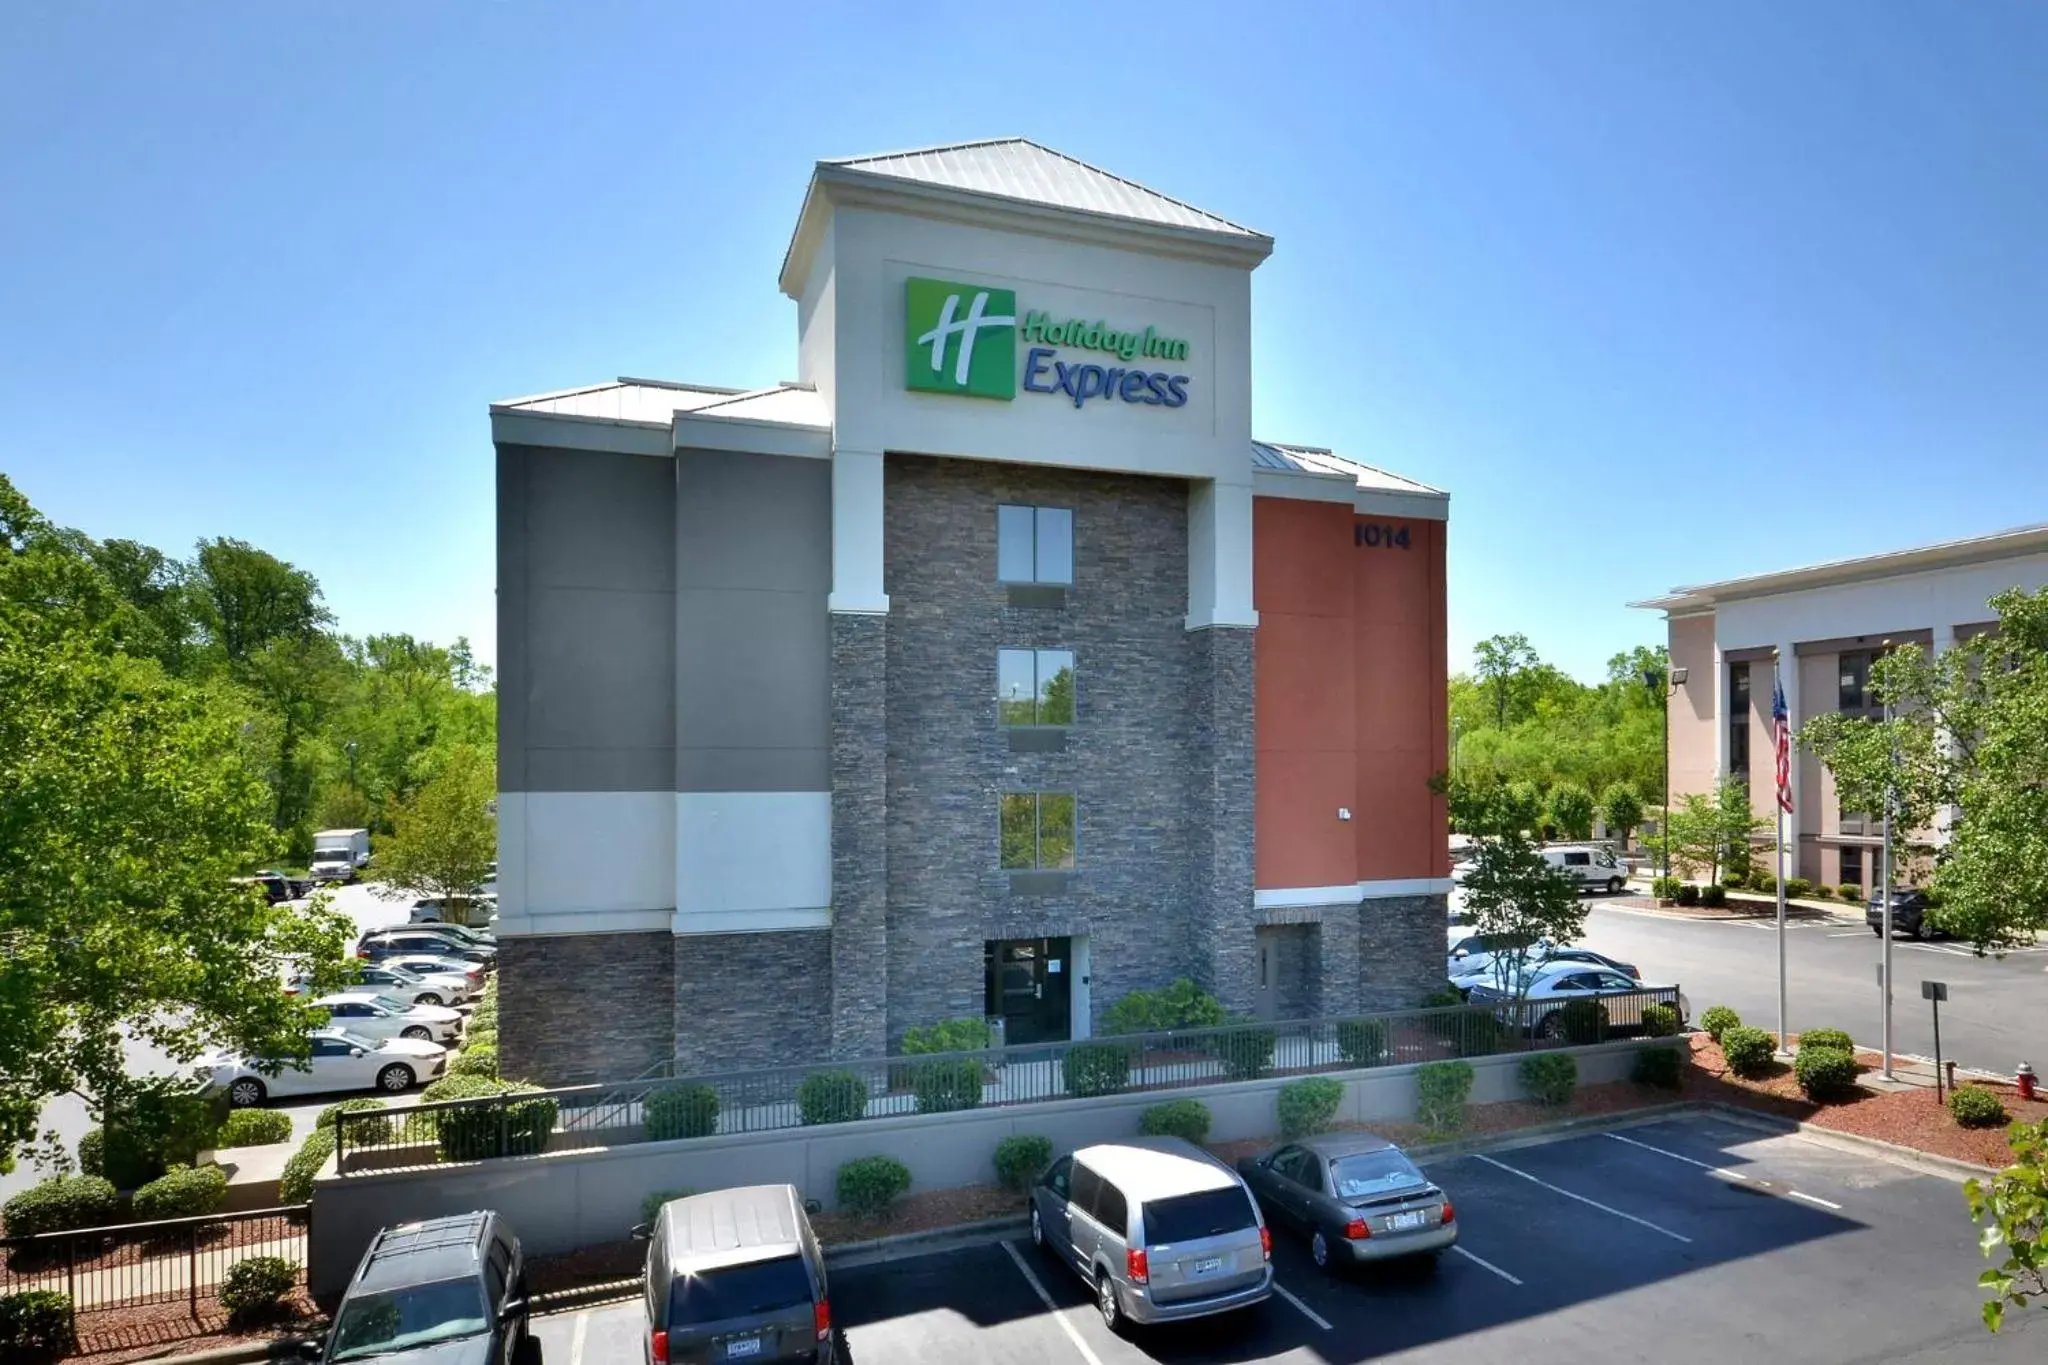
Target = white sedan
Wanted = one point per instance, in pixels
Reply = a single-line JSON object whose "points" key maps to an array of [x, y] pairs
{"points": [[373, 1014], [341, 1060], [428, 965]]}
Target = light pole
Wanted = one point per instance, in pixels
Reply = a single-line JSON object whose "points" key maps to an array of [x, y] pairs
{"points": [[1658, 682], [1890, 767]]}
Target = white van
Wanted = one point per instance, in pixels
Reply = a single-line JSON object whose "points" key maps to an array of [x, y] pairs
{"points": [[339, 855], [1590, 866]]}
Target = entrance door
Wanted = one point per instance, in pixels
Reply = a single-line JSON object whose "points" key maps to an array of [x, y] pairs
{"points": [[1030, 988]]}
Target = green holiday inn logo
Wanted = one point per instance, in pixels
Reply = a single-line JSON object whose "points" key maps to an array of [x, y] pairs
{"points": [[961, 338]]}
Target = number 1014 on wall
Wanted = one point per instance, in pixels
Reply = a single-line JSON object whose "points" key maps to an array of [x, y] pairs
{"points": [[1380, 537]]}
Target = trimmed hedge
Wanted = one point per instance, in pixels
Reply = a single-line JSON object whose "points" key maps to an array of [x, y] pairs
{"points": [[1688, 894], [832, 1097], [1019, 1158], [1246, 1053], [1827, 1037], [253, 1288], [1665, 888], [1660, 1020], [680, 1111], [1582, 1021], [511, 1127], [1176, 1118], [1974, 1106], [1718, 1019], [475, 1060], [1848, 891], [1549, 1077], [1825, 1073], [295, 1185], [1822, 892], [60, 1204], [156, 1127], [183, 1193], [1363, 1042], [1181, 1005], [462, 1088], [254, 1128], [1714, 896], [1659, 1066], [1796, 887], [92, 1152], [869, 1185], [947, 1087], [1749, 1051], [1308, 1106], [35, 1327], [948, 1035], [1097, 1069], [365, 1132], [1441, 1089]]}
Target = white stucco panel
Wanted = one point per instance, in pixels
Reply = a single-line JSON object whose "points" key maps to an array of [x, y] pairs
{"points": [[752, 860], [1919, 601]]}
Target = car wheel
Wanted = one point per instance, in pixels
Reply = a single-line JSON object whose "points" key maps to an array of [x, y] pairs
{"points": [[1877, 929], [427, 998], [1427, 1263], [1553, 1025], [1614, 886], [419, 1031], [246, 1093], [1319, 1247], [1105, 1302], [1916, 933], [1037, 1230], [395, 1079]]}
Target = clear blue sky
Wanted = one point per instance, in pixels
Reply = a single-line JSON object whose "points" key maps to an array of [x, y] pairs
{"points": [[1661, 293]]}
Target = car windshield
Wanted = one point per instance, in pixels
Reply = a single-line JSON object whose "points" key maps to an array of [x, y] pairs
{"points": [[397, 973], [354, 1040], [738, 1291], [1189, 1217], [1370, 1174], [401, 1319]]}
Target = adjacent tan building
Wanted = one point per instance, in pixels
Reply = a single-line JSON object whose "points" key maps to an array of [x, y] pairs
{"points": [[1824, 625]]}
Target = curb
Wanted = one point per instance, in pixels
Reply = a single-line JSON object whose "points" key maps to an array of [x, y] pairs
{"points": [[231, 1355], [1927, 1163], [879, 1250], [584, 1295]]}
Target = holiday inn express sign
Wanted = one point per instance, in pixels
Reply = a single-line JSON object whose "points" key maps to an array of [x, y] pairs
{"points": [[963, 339]]}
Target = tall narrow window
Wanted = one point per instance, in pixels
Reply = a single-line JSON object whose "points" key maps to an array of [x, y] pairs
{"points": [[1037, 830], [1035, 545], [1854, 693], [1035, 686], [1852, 867], [1738, 721]]}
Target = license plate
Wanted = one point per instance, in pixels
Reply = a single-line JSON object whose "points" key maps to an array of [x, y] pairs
{"points": [[745, 1346], [1405, 1220], [1208, 1265]]}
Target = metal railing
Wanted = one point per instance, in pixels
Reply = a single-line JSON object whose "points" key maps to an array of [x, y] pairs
{"points": [[666, 1105], [111, 1276]]}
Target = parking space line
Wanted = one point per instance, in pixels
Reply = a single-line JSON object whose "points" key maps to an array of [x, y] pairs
{"points": [[1590, 1203], [1486, 1265], [1815, 1199], [576, 1337], [1044, 1297], [1311, 1314], [1720, 1171]]}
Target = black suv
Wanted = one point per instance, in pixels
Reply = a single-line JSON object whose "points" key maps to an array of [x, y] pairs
{"points": [[1909, 912], [449, 1290]]}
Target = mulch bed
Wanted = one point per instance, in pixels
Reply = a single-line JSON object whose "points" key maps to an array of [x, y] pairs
{"points": [[1738, 907], [113, 1335], [25, 1272]]}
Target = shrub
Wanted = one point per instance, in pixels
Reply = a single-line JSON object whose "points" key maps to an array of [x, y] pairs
{"points": [[185, 1192], [363, 1132], [510, 1127], [1735, 879], [254, 1128], [1181, 1005], [1471, 1032], [462, 1088], [1719, 1019], [1766, 882], [1019, 1159], [35, 1327], [832, 1097], [1665, 888], [869, 1185], [1660, 1020], [946, 1087], [680, 1111], [650, 1207], [1826, 1037], [59, 1204], [1822, 892], [480, 1038], [295, 1186], [1796, 887], [1688, 894], [1097, 1069], [1176, 1118], [1246, 1052], [948, 1035], [92, 1152], [1363, 1042], [156, 1126], [1974, 1106], [1849, 892], [1825, 1073], [1549, 1077], [1749, 1051], [1713, 896], [253, 1288], [1441, 1089], [1308, 1106], [475, 1061], [1581, 1022], [1658, 1066]]}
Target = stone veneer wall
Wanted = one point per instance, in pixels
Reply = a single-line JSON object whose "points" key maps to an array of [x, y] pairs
{"points": [[748, 1000], [575, 1008], [1401, 950], [1152, 880], [858, 966]]}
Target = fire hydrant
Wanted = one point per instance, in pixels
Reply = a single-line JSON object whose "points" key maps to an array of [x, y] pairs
{"points": [[2025, 1077]]}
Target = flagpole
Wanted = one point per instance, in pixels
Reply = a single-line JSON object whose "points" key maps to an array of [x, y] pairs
{"points": [[1781, 724]]}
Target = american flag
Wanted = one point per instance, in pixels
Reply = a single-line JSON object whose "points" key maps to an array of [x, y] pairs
{"points": [[1781, 737]]}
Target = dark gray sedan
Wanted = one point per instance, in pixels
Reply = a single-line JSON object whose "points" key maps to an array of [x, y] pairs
{"points": [[1357, 1197]]}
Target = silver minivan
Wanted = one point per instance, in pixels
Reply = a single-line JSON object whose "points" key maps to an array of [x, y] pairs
{"points": [[1158, 1228]]}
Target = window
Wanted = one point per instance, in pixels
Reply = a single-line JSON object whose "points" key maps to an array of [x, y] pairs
{"points": [[1111, 1209], [1738, 719], [744, 1290], [1086, 1186], [1056, 1176], [1035, 686], [1034, 544], [1211, 1213], [1852, 867], [1038, 830], [1578, 860], [1854, 694]]}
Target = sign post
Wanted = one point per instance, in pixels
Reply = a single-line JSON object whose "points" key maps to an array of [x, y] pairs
{"points": [[1934, 992]]}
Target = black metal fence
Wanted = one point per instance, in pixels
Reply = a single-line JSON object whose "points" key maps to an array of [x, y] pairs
{"points": [[666, 1105], [136, 1284]]}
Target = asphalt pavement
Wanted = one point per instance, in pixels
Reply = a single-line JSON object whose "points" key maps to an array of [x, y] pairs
{"points": [[1996, 1015], [1691, 1239]]}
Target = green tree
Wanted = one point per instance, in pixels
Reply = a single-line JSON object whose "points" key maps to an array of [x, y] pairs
{"points": [[444, 838], [1710, 833], [1515, 896], [1621, 806], [246, 598], [1503, 663], [2011, 1210], [1571, 810]]}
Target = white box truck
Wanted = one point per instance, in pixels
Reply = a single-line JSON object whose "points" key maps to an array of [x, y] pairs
{"points": [[340, 855]]}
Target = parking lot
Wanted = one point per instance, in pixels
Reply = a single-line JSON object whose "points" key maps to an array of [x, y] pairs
{"points": [[1690, 1239]]}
